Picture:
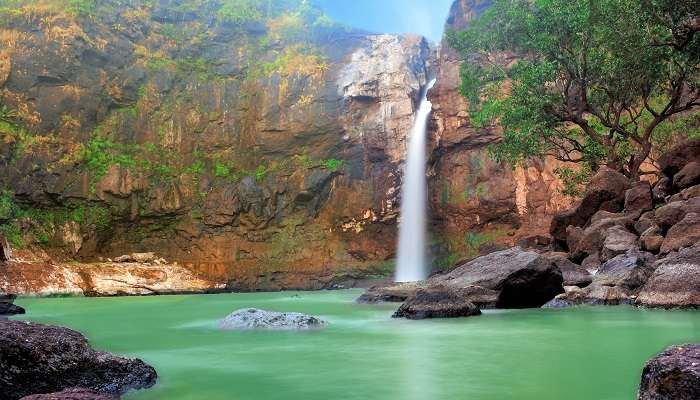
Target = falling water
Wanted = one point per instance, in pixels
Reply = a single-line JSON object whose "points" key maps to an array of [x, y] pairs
{"points": [[411, 258]]}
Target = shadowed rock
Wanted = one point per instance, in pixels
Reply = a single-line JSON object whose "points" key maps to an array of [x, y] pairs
{"points": [[672, 375], [37, 358], [573, 274], [437, 302], [252, 318]]}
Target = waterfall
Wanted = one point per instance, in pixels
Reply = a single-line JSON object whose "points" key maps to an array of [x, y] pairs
{"points": [[412, 228]]}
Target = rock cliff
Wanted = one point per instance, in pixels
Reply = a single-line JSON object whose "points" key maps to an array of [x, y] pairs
{"points": [[266, 151]]}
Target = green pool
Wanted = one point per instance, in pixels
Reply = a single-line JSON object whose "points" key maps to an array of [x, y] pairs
{"points": [[586, 353]]}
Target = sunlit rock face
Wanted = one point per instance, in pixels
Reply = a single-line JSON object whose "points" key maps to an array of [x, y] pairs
{"points": [[240, 154], [477, 203]]}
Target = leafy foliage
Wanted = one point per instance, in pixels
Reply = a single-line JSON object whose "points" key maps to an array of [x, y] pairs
{"points": [[592, 82]]}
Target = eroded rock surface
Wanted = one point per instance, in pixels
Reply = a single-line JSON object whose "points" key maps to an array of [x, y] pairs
{"points": [[672, 375], [37, 358]]}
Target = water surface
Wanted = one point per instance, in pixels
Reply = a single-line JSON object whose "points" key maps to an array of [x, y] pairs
{"points": [[576, 354]]}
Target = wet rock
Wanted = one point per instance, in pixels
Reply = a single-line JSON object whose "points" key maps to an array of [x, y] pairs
{"points": [[252, 318], [675, 282], [607, 188], [672, 375], [437, 302], [5, 249], [395, 293], [618, 240], [688, 176], [72, 394], [639, 197], [37, 358], [10, 309], [685, 233], [522, 278]]}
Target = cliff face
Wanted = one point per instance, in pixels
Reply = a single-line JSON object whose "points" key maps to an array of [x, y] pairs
{"points": [[477, 202], [264, 151]]}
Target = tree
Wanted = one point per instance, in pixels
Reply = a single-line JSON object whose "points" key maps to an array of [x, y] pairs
{"points": [[592, 82]]}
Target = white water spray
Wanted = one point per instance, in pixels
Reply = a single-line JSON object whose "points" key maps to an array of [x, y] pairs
{"points": [[410, 265]]}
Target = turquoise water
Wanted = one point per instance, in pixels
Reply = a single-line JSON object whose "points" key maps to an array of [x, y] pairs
{"points": [[586, 353]]}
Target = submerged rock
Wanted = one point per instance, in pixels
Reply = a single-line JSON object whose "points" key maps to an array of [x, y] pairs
{"points": [[252, 318], [437, 302], [37, 358], [672, 375], [72, 394], [7, 308]]}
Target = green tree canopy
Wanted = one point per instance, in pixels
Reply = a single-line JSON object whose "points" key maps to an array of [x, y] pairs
{"points": [[595, 82]]}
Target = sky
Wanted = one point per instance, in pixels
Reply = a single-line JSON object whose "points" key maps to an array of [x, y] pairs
{"points": [[425, 17]]}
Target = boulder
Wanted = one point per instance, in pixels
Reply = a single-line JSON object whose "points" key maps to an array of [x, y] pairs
{"points": [[675, 283], [639, 197], [686, 194], [593, 237], [672, 375], [72, 394], [395, 293], [687, 176], [573, 274], [685, 233], [591, 263], [675, 159], [669, 214], [618, 240], [606, 190], [5, 250], [645, 221], [651, 239], [437, 302], [37, 358], [7, 308], [616, 282], [522, 278], [252, 318]]}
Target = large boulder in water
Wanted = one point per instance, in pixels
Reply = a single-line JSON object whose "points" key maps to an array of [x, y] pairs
{"points": [[37, 358], [252, 318], [437, 302], [521, 278], [672, 375], [675, 282]]}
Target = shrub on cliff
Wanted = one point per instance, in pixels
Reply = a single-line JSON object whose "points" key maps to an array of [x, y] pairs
{"points": [[598, 83]]}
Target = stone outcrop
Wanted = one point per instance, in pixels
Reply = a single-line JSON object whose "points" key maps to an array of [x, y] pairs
{"points": [[649, 254], [437, 302], [5, 249], [672, 375], [511, 278], [252, 318], [106, 279], [675, 281], [37, 358]]}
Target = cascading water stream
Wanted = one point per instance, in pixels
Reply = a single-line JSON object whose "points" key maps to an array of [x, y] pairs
{"points": [[411, 253]]}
